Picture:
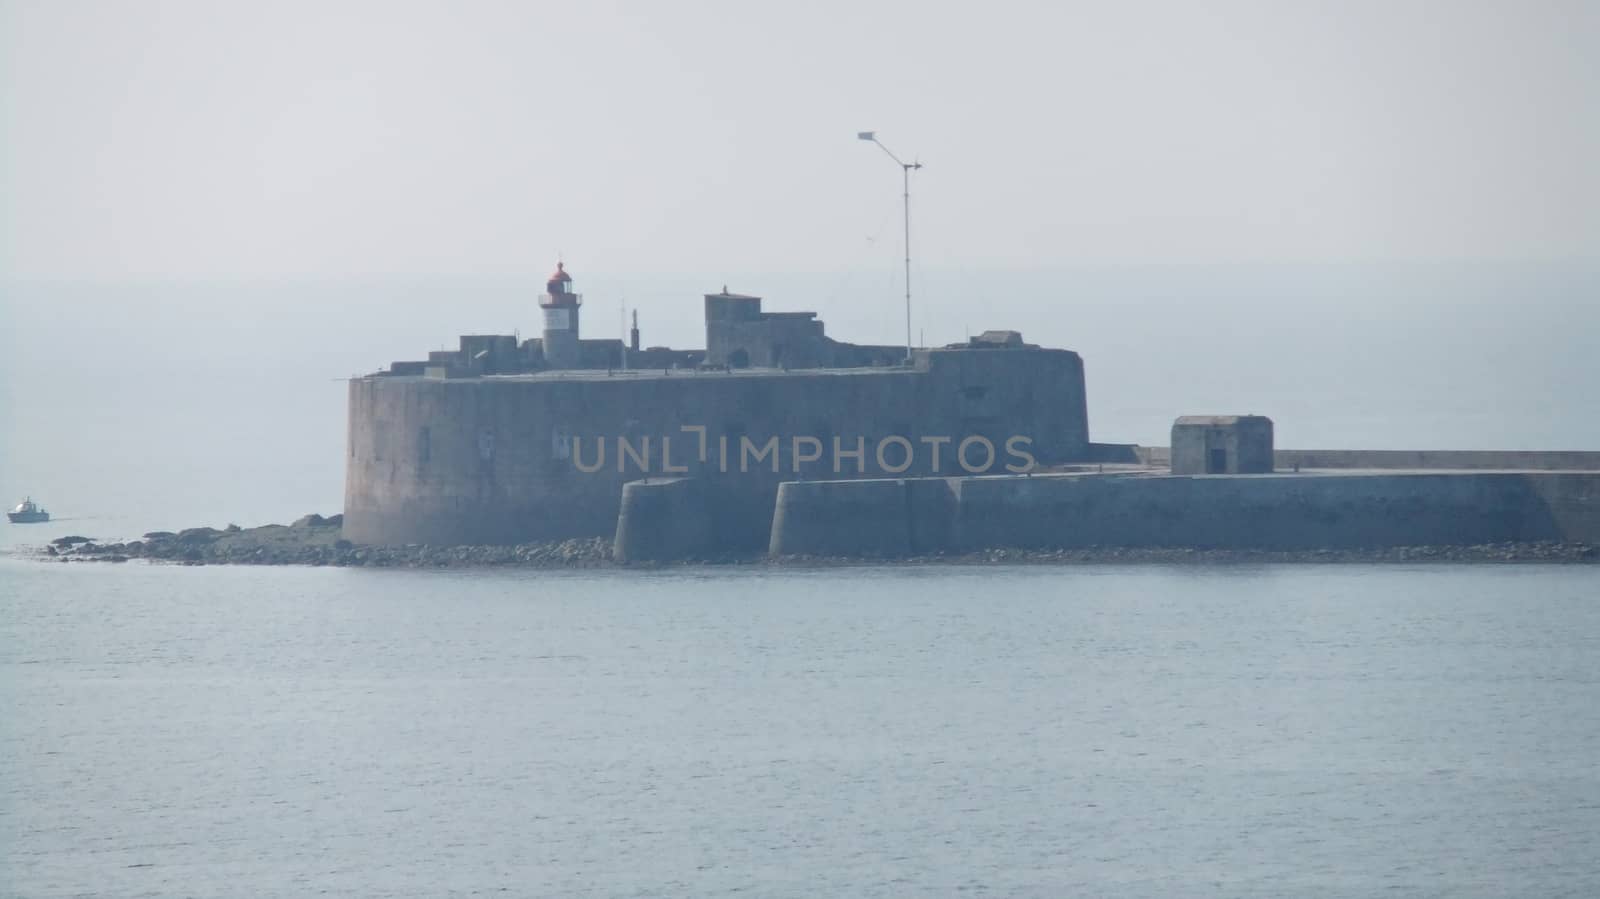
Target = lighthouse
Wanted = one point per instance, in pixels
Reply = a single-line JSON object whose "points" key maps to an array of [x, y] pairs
{"points": [[560, 306]]}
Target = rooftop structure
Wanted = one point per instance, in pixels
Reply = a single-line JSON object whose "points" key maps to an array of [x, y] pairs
{"points": [[1222, 444], [739, 334]]}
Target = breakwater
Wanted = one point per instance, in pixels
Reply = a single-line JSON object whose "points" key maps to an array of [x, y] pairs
{"points": [[1087, 517], [1255, 512]]}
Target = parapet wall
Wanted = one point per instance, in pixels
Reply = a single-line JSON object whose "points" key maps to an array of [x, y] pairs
{"points": [[1450, 460], [1269, 512], [1460, 460]]}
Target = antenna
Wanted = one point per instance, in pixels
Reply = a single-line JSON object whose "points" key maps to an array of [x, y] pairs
{"points": [[906, 168]]}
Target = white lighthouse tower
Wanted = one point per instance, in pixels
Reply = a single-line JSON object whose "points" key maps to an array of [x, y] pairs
{"points": [[560, 307]]}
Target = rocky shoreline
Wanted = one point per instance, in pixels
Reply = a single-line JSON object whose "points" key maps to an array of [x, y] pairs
{"points": [[317, 541]]}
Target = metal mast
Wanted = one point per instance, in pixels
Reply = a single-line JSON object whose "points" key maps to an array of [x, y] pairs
{"points": [[905, 171]]}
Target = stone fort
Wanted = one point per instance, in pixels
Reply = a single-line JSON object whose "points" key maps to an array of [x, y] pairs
{"points": [[506, 442]]}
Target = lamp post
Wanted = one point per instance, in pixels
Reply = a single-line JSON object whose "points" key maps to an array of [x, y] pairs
{"points": [[905, 171]]}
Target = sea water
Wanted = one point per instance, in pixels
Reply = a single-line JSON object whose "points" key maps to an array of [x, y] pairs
{"points": [[1239, 730]]}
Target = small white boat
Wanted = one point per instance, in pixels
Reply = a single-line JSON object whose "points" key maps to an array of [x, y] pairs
{"points": [[28, 512]]}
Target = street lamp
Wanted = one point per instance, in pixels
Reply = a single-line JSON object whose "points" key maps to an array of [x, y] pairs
{"points": [[905, 170]]}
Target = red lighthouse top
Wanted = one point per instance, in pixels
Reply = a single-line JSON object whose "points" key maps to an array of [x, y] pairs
{"points": [[559, 289]]}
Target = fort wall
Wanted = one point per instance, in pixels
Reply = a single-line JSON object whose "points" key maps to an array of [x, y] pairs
{"points": [[491, 459]]}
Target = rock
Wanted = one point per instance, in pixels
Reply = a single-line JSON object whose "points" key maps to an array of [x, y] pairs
{"points": [[335, 521], [310, 521], [160, 535], [69, 540], [198, 536], [232, 529]]}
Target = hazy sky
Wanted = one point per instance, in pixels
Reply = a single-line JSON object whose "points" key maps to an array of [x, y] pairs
{"points": [[1377, 222], [329, 139]]}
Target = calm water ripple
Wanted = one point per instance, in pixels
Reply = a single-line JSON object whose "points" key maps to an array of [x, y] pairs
{"points": [[874, 731]]}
